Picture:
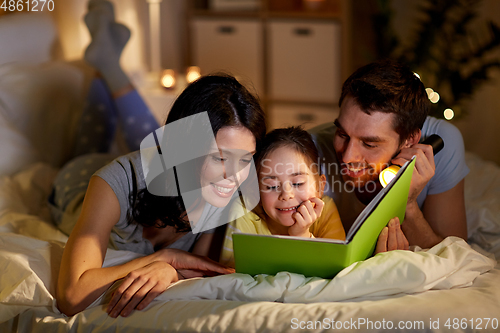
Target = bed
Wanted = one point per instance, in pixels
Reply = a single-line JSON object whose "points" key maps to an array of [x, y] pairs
{"points": [[454, 286]]}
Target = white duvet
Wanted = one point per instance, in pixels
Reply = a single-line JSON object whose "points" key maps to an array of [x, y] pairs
{"points": [[31, 248], [450, 264]]}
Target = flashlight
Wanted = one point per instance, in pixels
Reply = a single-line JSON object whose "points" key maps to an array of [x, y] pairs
{"points": [[390, 172]]}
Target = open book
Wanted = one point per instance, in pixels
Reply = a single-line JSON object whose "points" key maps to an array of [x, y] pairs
{"points": [[264, 254]]}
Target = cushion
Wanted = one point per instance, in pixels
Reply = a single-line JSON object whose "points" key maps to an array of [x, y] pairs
{"points": [[39, 109], [27, 38]]}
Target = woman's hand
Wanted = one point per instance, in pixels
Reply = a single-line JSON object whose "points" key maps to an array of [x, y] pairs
{"points": [[140, 287], [392, 238], [307, 213], [191, 265]]}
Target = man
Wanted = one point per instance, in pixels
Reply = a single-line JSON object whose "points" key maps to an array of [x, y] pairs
{"points": [[383, 117]]}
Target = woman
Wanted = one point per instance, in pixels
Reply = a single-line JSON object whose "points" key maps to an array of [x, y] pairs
{"points": [[118, 211], [238, 125]]}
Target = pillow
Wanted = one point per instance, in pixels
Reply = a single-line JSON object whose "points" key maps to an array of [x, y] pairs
{"points": [[40, 106], [27, 38], [482, 202], [15, 150]]}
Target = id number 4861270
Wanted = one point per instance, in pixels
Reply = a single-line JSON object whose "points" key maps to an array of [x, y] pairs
{"points": [[27, 5], [476, 323]]}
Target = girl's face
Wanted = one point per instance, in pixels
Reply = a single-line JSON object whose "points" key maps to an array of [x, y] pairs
{"points": [[285, 181], [227, 164]]}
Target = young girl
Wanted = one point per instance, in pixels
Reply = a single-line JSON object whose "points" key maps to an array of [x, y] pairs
{"points": [[291, 189], [114, 208], [291, 201]]}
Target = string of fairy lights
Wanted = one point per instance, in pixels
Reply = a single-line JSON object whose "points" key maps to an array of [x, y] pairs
{"points": [[168, 80], [434, 98]]}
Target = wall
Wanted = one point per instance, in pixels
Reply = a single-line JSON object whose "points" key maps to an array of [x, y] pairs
{"points": [[481, 125]]}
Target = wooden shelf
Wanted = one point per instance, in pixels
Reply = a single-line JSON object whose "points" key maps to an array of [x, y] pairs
{"points": [[312, 6], [225, 13], [269, 14], [356, 39], [303, 15], [328, 9]]}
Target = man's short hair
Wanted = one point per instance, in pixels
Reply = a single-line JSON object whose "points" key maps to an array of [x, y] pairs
{"points": [[391, 87]]}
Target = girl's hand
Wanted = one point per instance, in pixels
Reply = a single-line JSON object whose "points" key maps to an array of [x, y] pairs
{"points": [[140, 287], [392, 238], [307, 213]]}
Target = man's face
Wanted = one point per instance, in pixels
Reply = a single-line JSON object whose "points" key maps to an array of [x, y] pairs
{"points": [[364, 143]]}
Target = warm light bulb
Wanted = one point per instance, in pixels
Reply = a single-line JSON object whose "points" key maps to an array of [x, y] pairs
{"points": [[168, 78], [448, 114], [429, 92], [193, 73], [388, 174], [434, 98]]}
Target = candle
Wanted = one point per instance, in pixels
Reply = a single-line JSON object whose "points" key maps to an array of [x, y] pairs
{"points": [[192, 73], [168, 78]]}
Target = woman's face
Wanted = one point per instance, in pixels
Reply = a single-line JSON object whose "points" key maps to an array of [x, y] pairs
{"points": [[227, 164]]}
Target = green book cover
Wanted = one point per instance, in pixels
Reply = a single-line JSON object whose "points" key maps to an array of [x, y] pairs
{"points": [[264, 254]]}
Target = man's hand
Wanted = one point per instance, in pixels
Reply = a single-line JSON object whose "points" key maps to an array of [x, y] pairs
{"points": [[307, 213], [424, 167], [391, 238]]}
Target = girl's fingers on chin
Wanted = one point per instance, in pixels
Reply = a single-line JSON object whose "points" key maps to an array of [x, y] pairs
{"points": [[317, 202], [310, 206], [299, 218], [304, 214], [309, 211]]}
